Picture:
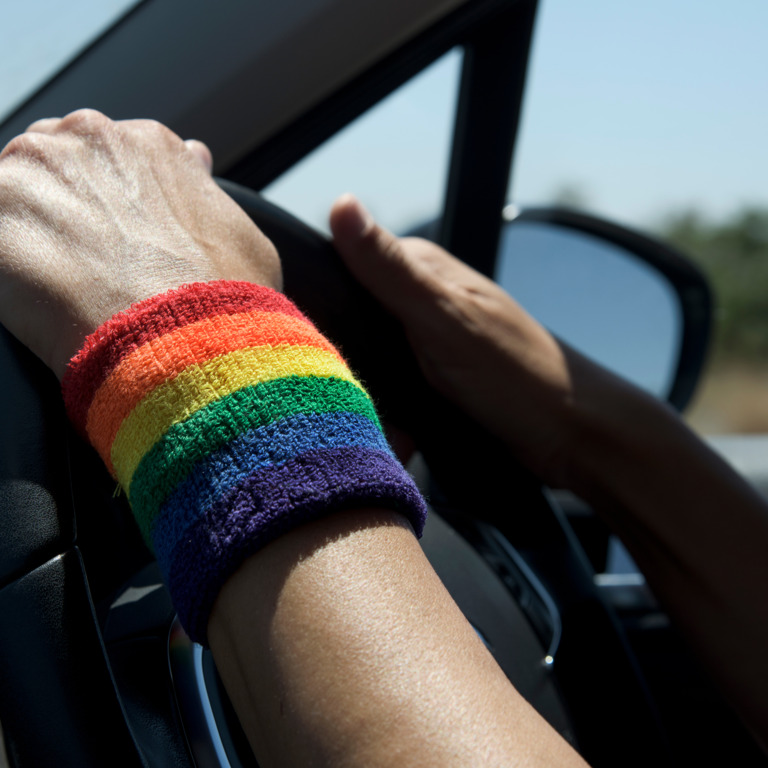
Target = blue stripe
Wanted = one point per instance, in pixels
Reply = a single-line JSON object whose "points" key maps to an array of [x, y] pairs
{"points": [[270, 445]]}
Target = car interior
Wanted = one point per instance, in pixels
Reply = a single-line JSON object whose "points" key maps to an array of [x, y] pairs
{"points": [[94, 668]]}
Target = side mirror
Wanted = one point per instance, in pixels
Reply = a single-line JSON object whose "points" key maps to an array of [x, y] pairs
{"points": [[626, 300]]}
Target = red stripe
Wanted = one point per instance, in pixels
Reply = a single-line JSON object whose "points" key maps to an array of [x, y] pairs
{"points": [[151, 318]]}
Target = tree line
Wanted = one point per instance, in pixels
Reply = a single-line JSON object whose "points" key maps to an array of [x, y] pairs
{"points": [[733, 253]]}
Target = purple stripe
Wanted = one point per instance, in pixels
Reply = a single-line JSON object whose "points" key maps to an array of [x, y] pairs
{"points": [[276, 443], [272, 501]]}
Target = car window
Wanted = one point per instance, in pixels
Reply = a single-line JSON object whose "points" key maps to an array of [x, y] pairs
{"points": [[39, 37], [394, 157], [653, 114]]}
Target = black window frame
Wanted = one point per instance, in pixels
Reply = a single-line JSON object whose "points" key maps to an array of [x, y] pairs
{"points": [[496, 38]]}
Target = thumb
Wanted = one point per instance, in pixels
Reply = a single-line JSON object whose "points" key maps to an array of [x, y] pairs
{"points": [[376, 258]]}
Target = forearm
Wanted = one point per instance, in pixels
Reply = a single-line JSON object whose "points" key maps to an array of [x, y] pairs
{"points": [[339, 646], [239, 435], [697, 530]]}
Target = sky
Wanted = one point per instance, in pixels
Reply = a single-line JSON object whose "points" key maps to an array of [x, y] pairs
{"points": [[636, 109], [649, 105]]}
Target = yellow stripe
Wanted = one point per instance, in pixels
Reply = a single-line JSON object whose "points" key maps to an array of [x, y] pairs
{"points": [[199, 385]]}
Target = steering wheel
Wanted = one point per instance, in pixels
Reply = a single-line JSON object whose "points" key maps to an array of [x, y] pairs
{"points": [[87, 633]]}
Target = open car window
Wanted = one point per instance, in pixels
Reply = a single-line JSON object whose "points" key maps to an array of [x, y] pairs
{"points": [[40, 37], [393, 157]]}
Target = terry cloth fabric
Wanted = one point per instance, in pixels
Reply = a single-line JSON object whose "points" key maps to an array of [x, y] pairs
{"points": [[228, 419]]}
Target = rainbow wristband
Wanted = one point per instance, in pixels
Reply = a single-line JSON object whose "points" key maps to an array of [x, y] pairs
{"points": [[228, 419]]}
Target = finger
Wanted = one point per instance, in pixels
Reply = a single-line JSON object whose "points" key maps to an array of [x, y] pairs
{"points": [[201, 153], [45, 125], [374, 256]]}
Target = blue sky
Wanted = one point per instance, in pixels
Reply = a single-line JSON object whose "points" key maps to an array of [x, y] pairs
{"points": [[641, 107], [649, 105]]}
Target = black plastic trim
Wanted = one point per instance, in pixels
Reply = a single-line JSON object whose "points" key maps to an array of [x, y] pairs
{"points": [[485, 134], [308, 131], [58, 706], [65, 69], [36, 514]]}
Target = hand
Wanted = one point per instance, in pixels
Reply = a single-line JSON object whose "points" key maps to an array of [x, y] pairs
{"points": [[99, 214], [474, 343]]}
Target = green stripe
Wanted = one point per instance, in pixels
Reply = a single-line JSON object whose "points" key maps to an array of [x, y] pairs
{"points": [[172, 458]]}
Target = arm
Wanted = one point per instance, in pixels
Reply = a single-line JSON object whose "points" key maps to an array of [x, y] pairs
{"points": [[699, 532], [340, 646], [336, 640]]}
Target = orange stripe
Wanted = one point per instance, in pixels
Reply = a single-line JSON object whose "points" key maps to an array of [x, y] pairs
{"points": [[199, 386], [165, 357]]}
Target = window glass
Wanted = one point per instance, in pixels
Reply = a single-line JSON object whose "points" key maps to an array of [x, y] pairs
{"points": [[394, 157], [39, 37], [654, 114]]}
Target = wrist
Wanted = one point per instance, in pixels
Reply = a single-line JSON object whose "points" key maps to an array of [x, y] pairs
{"points": [[228, 419]]}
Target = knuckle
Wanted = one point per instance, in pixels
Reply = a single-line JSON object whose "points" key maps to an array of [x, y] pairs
{"points": [[156, 130], [43, 125], [154, 126], [85, 121], [26, 146]]}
